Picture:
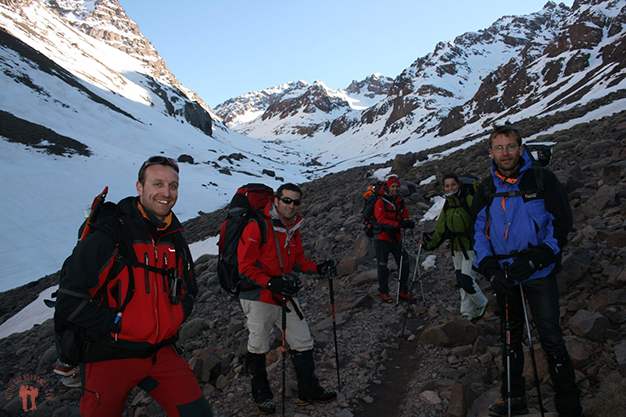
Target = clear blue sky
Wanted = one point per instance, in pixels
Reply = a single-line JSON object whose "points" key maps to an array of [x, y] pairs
{"points": [[222, 49]]}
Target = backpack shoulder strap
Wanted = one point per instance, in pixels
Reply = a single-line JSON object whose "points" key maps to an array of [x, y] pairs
{"points": [[538, 173], [116, 229], [261, 221]]}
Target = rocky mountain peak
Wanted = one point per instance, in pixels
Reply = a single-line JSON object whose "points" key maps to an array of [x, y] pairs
{"points": [[106, 20], [372, 86]]}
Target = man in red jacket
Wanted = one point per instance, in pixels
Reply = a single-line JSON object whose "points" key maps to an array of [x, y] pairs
{"points": [[132, 308], [392, 215], [267, 277]]}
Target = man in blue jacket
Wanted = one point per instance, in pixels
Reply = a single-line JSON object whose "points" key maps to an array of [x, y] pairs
{"points": [[522, 219]]}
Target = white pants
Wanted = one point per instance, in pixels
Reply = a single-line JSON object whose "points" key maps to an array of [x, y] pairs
{"points": [[469, 302], [262, 317]]}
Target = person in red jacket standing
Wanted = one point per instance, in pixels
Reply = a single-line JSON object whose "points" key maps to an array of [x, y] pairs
{"points": [[391, 216], [266, 266], [132, 310]]}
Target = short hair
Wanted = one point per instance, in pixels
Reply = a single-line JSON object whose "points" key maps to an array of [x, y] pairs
{"points": [[507, 131], [289, 187], [156, 160], [450, 175]]}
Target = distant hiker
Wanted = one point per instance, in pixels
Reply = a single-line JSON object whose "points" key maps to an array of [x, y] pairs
{"points": [[454, 224], [267, 277], [132, 318], [391, 216], [520, 232]]}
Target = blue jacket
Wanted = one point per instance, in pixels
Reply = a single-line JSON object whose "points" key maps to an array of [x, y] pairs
{"points": [[514, 224]]}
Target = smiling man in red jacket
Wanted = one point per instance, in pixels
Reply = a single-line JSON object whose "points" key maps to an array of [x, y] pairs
{"points": [[130, 285]]}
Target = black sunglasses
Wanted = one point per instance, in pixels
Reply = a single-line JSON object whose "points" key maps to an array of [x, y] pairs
{"points": [[288, 201], [158, 160]]}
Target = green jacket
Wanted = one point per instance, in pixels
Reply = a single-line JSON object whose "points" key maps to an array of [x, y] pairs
{"points": [[454, 224]]}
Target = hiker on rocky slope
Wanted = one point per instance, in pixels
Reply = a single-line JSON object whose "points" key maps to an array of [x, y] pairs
{"points": [[269, 285], [454, 224], [391, 216], [522, 219], [132, 307]]}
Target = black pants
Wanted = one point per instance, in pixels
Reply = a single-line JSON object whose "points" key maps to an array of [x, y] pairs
{"points": [[383, 249], [543, 299]]}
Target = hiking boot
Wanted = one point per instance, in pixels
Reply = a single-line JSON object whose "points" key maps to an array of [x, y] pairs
{"points": [[267, 406], [405, 296], [518, 406], [386, 298], [323, 396], [480, 312], [64, 369], [72, 380]]}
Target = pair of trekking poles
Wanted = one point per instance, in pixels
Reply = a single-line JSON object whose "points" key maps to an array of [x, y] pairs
{"points": [[416, 272], [284, 331], [508, 349]]}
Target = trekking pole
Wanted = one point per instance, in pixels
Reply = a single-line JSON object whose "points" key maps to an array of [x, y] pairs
{"points": [[332, 309], [400, 268], [284, 328], [507, 341], [417, 262], [419, 271], [532, 350]]}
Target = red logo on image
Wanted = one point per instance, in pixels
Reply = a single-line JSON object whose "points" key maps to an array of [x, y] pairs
{"points": [[30, 389]]}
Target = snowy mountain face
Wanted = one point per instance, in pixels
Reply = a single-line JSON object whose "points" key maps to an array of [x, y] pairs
{"points": [[78, 113], [107, 21], [519, 67], [297, 109]]}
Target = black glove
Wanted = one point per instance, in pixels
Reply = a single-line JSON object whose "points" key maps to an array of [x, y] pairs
{"points": [[287, 285], [530, 261], [488, 266], [327, 268], [407, 224], [500, 284], [491, 269]]}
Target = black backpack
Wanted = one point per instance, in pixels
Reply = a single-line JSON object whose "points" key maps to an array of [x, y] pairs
{"points": [[246, 205], [71, 340], [371, 195]]}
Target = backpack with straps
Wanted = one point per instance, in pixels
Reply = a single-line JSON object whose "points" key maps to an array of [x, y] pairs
{"points": [[246, 205], [371, 195]]}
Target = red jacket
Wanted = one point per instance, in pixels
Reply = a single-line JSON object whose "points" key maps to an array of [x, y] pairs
{"points": [[148, 317], [258, 263], [388, 212]]}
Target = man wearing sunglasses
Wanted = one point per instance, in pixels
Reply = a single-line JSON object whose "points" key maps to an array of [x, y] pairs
{"points": [[391, 216], [520, 231], [130, 284], [267, 265]]}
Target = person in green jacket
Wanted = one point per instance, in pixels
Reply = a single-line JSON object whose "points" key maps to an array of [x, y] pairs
{"points": [[454, 224]]}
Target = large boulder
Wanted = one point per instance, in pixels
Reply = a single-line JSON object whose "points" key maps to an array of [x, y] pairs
{"points": [[456, 332], [589, 325]]}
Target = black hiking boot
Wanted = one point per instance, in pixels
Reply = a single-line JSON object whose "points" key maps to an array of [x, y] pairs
{"points": [[309, 389], [501, 408], [267, 406], [261, 391], [323, 396]]}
